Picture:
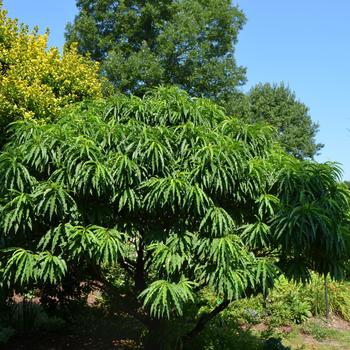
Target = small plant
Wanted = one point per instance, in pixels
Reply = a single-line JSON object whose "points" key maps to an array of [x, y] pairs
{"points": [[300, 311], [287, 303]]}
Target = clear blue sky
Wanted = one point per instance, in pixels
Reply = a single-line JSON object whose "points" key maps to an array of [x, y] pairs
{"points": [[304, 43]]}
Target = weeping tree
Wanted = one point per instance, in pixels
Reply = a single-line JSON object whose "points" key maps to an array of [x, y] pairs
{"points": [[174, 194]]}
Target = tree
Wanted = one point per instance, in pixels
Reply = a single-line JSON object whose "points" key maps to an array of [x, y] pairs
{"points": [[278, 106], [174, 193], [146, 43], [35, 82], [190, 43]]}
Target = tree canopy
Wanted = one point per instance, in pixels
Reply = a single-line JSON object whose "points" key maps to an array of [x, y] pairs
{"points": [[173, 192], [35, 82], [189, 44], [146, 43], [278, 106]]}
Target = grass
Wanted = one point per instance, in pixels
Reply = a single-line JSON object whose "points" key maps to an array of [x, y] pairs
{"points": [[317, 335]]}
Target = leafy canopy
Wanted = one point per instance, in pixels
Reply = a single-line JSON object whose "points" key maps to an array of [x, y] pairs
{"points": [[35, 82], [278, 106], [171, 190], [142, 44]]}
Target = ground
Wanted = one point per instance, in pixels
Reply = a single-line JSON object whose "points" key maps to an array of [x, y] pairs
{"points": [[91, 328], [319, 335], [316, 334]]}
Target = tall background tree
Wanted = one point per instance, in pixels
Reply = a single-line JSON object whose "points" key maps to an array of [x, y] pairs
{"points": [[188, 43], [141, 44], [277, 105]]}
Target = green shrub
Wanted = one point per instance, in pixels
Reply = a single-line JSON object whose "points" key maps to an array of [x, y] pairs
{"points": [[339, 297], [224, 333], [296, 302], [5, 334], [248, 310], [287, 304], [290, 302]]}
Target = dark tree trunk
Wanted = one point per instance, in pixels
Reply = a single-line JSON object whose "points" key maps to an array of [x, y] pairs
{"points": [[153, 341], [140, 283], [204, 319]]}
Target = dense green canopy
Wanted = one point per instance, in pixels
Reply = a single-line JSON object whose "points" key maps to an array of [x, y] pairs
{"points": [[278, 106], [146, 43], [172, 191]]}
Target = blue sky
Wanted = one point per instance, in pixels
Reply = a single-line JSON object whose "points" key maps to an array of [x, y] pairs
{"points": [[302, 43]]}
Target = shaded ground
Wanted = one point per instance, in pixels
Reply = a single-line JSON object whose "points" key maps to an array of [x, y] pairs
{"points": [[63, 342], [335, 336], [92, 329]]}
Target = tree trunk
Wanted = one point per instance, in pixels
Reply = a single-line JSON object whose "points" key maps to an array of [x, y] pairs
{"points": [[140, 283], [204, 319], [153, 341], [326, 295]]}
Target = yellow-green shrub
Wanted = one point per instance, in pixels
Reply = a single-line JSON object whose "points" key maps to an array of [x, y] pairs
{"points": [[36, 81]]}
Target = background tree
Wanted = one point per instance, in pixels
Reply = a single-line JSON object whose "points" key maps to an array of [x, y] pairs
{"points": [[190, 44], [35, 82], [278, 106], [146, 43], [174, 193]]}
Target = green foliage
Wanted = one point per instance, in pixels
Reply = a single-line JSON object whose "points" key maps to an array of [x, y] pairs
{"points": [[162, 296], [173, 253], [318, 330], [339, 297], [287, 304], [37, 81], [278, 106], [24, 266], [250, 310], [172, 191], [225, 334], [143, 44]]}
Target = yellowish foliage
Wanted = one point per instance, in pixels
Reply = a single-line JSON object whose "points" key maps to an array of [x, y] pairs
{"points": [[36, 81]]}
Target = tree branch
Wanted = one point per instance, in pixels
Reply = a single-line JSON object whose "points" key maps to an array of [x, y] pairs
{"points": [[128, 267], [205, 318]]}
